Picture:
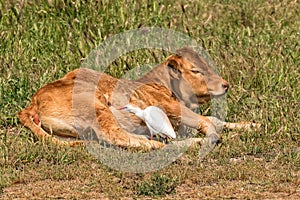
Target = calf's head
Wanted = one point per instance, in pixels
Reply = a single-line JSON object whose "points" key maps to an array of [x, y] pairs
{"points": [[192, 79]]}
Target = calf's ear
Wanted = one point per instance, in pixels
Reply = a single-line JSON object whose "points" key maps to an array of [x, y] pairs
{"points": [[173, 68]]}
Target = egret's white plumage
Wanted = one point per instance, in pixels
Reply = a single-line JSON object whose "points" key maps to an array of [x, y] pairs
{"points": [[156, 120]]}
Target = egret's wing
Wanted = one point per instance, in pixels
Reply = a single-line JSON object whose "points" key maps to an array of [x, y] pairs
{"points": [[153, 117], [167, 128], [169, 131], [159, 121]]}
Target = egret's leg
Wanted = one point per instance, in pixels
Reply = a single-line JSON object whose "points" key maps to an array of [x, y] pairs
{"points": [[151, 137]]}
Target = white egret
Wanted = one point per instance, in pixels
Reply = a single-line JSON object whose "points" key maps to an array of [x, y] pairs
{"points": [[156, 120]]}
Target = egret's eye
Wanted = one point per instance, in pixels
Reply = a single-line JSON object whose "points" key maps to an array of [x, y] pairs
{"points": [[197, 71]]}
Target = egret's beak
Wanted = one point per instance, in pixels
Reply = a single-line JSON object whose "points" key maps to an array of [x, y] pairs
{"points": [[121, 108]]}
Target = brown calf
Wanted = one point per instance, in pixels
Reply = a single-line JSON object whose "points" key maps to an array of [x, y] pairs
{"points": [[85, 99]]}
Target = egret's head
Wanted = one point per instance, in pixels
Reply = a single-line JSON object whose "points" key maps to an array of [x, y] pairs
{"points": [[130, 108]]}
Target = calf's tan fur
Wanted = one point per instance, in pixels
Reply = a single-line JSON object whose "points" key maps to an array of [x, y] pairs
{"points": [[85, 99]]}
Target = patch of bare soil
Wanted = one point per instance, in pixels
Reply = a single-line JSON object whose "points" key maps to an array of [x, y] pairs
{"points": [[76, 189], [49, 189], [234, 190]]}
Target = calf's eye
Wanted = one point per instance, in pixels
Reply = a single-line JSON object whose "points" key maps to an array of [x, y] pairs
{"points": [[197, 71]]}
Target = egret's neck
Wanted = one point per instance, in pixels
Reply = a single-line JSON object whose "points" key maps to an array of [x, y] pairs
{"points": [[138, 112]]}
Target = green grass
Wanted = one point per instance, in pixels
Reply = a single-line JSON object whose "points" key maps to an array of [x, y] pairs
{"points": [[157, 186], [255, 45]]}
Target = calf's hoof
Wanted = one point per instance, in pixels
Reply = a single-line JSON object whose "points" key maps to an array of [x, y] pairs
{"points": [[214, 139]]}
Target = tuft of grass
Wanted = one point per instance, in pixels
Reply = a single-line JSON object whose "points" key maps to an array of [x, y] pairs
{"points": [[158, 185]]}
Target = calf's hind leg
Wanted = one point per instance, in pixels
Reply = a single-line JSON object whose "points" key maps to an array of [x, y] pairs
{"points": [[27, 117]]}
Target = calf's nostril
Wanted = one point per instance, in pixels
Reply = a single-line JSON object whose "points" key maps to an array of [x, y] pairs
{"points": [[225, 86]]}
